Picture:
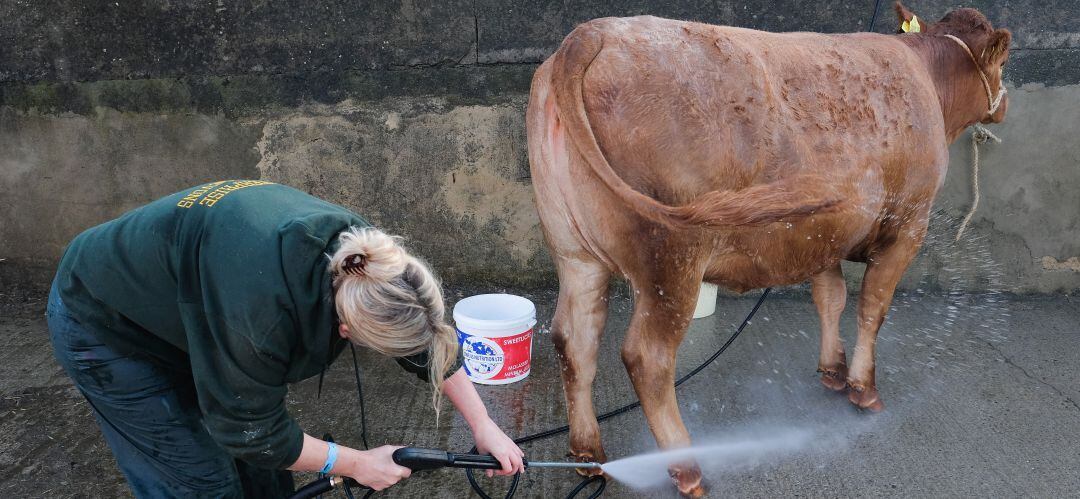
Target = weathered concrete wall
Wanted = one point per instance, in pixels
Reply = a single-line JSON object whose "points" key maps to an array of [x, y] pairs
{"points": [[412, 114]]}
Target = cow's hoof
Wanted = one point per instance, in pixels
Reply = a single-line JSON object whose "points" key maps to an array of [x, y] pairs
{"points": [[687, 478], [834, 378], [864, 397], [588, 457]]}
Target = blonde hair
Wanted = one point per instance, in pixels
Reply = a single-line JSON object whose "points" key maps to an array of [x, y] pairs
{"points": [[391, 302]]}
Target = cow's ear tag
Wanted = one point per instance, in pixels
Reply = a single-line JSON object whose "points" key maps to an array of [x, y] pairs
{"points": [[911, 26]]}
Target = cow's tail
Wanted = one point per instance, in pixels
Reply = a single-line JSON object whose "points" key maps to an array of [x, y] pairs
{"points": [[755, 205]]}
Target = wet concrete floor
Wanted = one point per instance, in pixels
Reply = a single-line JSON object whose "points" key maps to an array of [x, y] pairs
{"points": [[981, 399]]}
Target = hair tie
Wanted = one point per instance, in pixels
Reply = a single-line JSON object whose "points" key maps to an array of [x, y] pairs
{"points": [[354, 264]]}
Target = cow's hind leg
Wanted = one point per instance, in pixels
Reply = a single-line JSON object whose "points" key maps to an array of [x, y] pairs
{"points": [[830, 296], [884, 268], [579, 321], [662, 311]]}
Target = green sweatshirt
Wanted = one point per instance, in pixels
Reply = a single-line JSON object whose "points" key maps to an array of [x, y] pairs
{"points": [[227, 281]]}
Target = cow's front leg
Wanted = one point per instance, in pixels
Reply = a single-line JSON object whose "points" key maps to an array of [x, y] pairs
{"points": [[883, 270], [830, 296], [661, 315], [579, 321]]}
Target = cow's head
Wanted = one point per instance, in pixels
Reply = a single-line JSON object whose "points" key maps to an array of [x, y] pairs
{"points": [[989, 49]]}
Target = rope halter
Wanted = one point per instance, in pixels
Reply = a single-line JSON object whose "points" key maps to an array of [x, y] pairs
{"points": [[995, 101], [980, 135]]}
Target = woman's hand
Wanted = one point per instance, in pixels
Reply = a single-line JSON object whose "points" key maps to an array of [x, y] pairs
{"points": [[373, 468], [491, 440], [376, 468]]}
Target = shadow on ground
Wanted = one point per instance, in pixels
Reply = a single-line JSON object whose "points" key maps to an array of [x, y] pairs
{"points": [[980, 392]]}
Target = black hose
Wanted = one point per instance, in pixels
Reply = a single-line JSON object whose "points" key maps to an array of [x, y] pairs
{"points": [[324, 484], [313, 489], [612, 413], [359, 396], [873, 18]]}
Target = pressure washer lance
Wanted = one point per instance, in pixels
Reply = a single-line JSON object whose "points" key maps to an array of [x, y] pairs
{"points": [[418, 459]]}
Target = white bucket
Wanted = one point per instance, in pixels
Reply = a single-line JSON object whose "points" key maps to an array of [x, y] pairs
{"points": [[495, 334], [706, 301]]}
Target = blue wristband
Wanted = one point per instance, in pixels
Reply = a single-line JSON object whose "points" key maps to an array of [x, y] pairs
{"points": [[331, 458]]}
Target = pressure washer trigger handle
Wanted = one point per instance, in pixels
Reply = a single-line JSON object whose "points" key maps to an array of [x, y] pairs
{"points": [[418, 459], [475, 461]]}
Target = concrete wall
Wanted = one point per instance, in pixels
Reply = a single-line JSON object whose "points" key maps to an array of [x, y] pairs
{"points": [[412, 114]]}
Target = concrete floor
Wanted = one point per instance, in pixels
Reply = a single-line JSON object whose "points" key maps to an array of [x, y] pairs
{"points": [[980, 391]]}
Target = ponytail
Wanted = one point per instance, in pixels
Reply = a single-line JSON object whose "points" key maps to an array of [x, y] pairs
{"points": [[392, 302]]}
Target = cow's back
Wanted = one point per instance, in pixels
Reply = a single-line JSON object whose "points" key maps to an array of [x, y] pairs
{"points": [[682, 108]]}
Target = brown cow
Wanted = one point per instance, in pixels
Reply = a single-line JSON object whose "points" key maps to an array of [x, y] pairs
{"points": [[673, 152]]}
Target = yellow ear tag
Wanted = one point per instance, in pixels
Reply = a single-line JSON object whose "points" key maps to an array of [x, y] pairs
{"points": [[911, 26]]}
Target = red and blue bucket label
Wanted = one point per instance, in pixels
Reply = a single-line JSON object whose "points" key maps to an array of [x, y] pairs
{"points": [[494, 360]]}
